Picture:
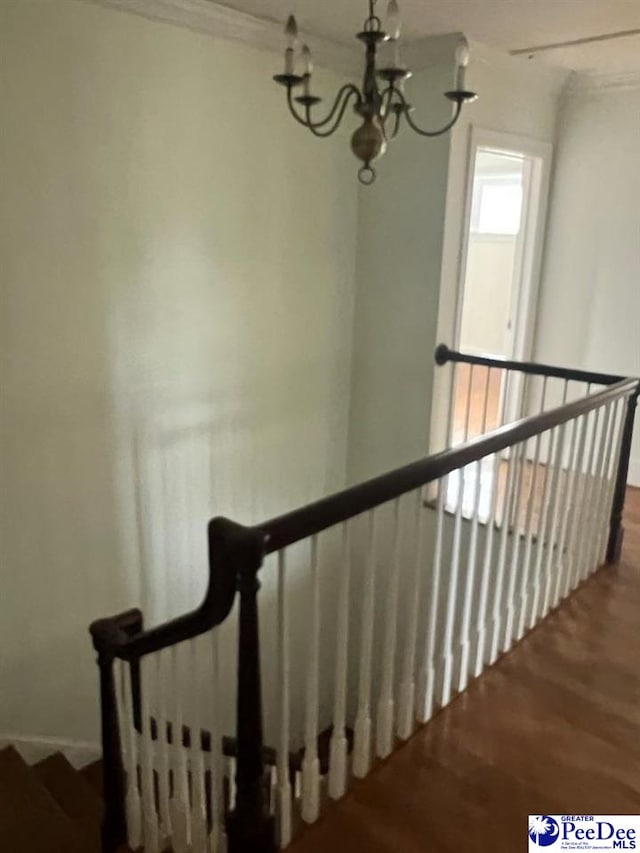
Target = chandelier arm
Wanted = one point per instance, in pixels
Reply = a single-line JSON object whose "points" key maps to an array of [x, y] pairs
{"points": [[336, 124], [305, 120], [431, 133]]}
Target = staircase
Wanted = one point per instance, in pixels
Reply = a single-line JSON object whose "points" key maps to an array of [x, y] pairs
{"points": [[50, 807]]}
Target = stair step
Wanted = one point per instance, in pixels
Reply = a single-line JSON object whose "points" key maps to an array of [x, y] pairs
{"points": [[30, 819], [92, 773], [73, 793]]}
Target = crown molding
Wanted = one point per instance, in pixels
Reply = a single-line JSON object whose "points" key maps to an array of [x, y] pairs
{"points": [[581, 84], [208, 17]]}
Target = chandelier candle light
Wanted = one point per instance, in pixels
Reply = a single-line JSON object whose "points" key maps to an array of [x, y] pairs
{"points": [[381, 103]]}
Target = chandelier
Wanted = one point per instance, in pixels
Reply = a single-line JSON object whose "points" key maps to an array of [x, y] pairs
{"points": [[381, 103]]}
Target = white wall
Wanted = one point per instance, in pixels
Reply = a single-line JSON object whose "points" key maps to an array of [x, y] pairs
{"points": [[400, 234], [515, 97], [177, 280], [590, 300]]}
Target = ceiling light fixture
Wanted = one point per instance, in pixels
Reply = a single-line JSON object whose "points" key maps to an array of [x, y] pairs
{"points": [[381, 103]]}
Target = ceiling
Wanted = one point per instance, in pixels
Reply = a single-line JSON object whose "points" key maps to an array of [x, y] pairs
{"points": [[506, 24]]}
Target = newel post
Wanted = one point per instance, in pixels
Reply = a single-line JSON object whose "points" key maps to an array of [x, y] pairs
{"points": [[616, 530], [250, 828], [106, 635], [114, 825]]}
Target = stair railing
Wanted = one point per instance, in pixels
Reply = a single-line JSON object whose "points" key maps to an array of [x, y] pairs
{"points": [[475, 377], [436, 597]]}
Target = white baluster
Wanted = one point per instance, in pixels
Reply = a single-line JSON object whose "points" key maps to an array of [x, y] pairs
{"points": [[426, 690], [180, 818], [465, 631], [507, 503], [531, 503], [487, 565], [567, 500], [162, 748], [338, 746], [310, 761], [614, 460], [284, 785], [587, 498], [386, 704], [543, 524], [216, 796], [576, 506], [130, 755], [515, 550], [362, 738], [150, 827], [554, 500], [524, 585], [598, 491], [452, 597], [406, 709], [199, 830]]}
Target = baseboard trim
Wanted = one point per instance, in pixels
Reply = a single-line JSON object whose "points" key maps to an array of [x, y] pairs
{"points": [[633, 478], [34, 749]]}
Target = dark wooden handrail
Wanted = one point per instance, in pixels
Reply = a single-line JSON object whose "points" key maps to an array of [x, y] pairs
{"points": [[444, 355]]}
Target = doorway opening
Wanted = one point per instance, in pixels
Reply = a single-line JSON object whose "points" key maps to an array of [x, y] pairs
{"points": [[498, 287]]}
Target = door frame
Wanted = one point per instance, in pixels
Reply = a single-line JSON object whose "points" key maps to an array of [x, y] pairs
{"points": [[534, 225]]}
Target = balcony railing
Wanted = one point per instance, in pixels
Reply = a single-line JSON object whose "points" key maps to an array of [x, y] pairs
{"points": [[385, 600]]}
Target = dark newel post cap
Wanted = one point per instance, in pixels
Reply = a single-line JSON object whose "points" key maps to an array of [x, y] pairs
{"points": [[442, 354]]}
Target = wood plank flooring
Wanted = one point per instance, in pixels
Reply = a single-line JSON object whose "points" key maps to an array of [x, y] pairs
{"points": [[554, 727]]}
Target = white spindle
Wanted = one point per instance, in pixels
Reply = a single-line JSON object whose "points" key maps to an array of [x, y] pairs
{"points": [[130, 755], [452, 597], [587, 498], [406, 711], [162, 746], [543, 524], [310, 761], [362, 738], [567, 498], [465, 628], [284, 785], [216, 802], [598, 491], [180, 817], [515, 551], [554, 502], [502, 556], [572, 537], [487, 566], [426, 691], [150, 826], [613, 462], [524, 586], [338, 748], [199, 830], [386, 703]]}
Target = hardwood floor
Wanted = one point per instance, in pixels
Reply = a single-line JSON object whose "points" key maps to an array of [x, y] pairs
{"points": [[553, 727]]}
